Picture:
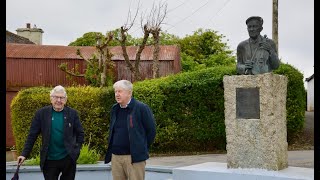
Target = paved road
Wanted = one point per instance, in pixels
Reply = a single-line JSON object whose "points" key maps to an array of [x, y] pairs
{"points": [[309, 123], [309, 126]]}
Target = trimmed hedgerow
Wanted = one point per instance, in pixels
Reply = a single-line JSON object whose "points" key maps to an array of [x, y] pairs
{"points": [[296, 100], [23, 108], [188, 108]]}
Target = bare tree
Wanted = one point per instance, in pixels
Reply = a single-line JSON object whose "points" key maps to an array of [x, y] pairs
{"points": [[104, 57], [154, 21], [104, 61], [151, 26], [134, 68]]}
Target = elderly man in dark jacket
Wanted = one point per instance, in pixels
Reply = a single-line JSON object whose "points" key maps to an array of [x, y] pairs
{"points": [[132, 131], [62, 137]]}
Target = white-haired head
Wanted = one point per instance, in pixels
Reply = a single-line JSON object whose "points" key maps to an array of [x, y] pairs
{"points": [[123, 84], [123, 92], [58, 89], [58, 97]]}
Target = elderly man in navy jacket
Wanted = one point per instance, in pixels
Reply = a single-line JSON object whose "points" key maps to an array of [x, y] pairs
{"points": [[132, 131], [62, 137]]}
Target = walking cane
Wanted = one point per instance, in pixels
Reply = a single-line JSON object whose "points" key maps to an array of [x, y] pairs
{"points": [[16, 174]]}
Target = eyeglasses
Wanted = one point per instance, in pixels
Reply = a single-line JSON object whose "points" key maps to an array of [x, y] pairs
{"points": [[62, 98]]}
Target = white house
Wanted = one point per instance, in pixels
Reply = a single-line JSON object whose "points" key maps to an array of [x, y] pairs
{"points": [[310, 93]]}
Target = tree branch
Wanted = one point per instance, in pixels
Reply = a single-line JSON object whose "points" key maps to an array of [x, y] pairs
{"points": [[80, 54], [124, 49]]}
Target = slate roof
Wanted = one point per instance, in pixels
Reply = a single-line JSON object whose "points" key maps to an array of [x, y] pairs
{"points": [[14, 38]]}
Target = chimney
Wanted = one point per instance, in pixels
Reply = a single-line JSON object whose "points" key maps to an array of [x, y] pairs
{"points": [[33, 34]]}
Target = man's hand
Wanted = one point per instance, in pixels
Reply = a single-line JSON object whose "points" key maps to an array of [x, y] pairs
{"points": [[20, 160], [248, 64], [266, 46]]}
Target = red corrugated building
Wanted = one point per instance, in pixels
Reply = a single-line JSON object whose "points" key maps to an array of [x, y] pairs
{"points": [[30, 65]]}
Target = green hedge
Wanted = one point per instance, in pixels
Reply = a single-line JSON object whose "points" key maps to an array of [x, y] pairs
{"points": [[188, 107], [296, 100]]}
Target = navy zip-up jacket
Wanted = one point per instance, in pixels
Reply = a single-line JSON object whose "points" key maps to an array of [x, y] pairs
{"points": [[141, 127], [73, 136]]}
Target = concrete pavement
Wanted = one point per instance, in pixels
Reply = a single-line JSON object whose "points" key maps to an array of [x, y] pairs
{"points": [[295, 158], [158, 168]]}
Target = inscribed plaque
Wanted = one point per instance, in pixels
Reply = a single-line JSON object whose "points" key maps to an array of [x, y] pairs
{"points": [[247, 103]]}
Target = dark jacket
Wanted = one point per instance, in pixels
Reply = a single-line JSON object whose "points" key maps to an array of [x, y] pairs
{"points": [[141, 127], [41, 123]]}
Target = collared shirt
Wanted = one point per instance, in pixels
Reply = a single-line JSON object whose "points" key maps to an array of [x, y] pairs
{"points": [[126, 104]]}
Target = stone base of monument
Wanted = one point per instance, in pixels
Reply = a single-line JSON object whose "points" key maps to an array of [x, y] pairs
{"points": [[255, 119], [215, 170]]}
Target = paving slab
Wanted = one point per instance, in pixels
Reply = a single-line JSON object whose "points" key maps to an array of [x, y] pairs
{"points": [[295, 159]]}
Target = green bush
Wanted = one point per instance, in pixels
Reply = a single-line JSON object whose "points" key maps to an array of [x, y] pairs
{"points": [[88, 156], [296, 100], [24, 106], [188, 108], [33, 161]]}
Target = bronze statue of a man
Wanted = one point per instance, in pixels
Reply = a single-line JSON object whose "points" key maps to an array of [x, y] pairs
{"points": [[257, 54]]}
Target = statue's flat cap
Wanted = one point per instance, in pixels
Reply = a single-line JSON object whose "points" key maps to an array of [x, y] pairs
{"points": [[256, 18]]}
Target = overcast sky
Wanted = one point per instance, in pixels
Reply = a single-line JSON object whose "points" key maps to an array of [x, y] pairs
{"points": [[63, 21]]}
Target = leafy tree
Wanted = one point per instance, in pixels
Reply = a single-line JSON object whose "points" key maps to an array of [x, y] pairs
{"points": [[168, 39], [206, 47], [202, 44], [165, 39], [88, 39], [201, 50], [188, 63]]}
